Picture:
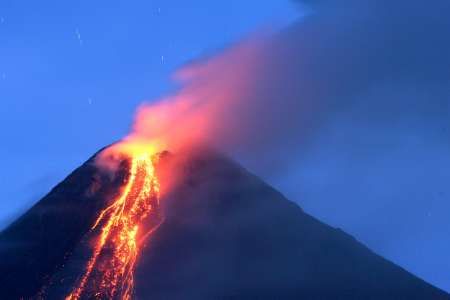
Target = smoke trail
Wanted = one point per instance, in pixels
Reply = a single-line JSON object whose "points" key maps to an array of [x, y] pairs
{"points": [[360, 84]]}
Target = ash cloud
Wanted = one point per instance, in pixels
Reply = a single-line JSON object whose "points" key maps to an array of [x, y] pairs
{"points": [[377, 161], [266, 97], [353, 100]]}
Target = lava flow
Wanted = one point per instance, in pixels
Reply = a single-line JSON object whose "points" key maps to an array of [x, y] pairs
{"points": [[109, 271]]}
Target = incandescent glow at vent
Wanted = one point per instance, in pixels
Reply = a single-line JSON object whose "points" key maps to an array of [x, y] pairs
{"points": [[109, 271]]}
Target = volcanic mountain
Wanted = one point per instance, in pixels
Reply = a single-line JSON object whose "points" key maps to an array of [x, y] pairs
{"points": [[219, 232]]}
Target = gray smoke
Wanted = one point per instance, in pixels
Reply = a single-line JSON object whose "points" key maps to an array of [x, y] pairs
{"points": [[363, 124]]}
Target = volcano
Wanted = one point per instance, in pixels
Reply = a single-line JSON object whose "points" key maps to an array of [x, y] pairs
{"points": [[218, 233]]}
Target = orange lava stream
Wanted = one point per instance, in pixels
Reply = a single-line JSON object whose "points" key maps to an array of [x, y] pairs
{"points": [[109, 271]]}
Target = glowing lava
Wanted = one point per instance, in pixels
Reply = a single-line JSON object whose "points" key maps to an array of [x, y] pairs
{"points": [[109, 271]]}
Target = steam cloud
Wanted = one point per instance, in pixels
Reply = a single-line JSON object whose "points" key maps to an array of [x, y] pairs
{"points": [[358, 90], [265, 97]]}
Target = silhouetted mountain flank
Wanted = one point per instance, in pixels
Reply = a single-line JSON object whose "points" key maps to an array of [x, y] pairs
{"points": [[226, 234]]}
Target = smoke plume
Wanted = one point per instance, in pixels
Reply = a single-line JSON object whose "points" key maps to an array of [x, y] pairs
{"points": [[356, 89]]}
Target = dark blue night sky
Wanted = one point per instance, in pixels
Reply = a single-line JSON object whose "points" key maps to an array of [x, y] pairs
{"points": [[73, 73]]}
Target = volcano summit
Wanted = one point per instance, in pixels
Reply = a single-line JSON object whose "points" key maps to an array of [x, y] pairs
{"points": [[192, 227]]}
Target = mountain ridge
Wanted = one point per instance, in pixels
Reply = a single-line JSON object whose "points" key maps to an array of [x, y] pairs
{"points": [[226, 234]]}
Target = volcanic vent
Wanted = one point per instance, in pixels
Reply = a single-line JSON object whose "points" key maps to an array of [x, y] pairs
{"points": [[219, 232]]}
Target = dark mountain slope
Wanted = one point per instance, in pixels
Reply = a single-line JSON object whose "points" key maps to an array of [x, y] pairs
{"points": [[226, 234], [38, 243]]}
